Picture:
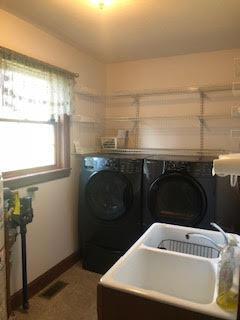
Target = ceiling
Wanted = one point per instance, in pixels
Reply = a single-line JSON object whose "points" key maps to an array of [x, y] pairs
{"points": [[136, 29]]}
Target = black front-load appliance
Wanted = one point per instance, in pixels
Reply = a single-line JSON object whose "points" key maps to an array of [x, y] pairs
{"points": [[109, 209], [178, 192]]}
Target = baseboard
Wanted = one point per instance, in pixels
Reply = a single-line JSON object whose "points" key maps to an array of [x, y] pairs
{"points": [[45, 279]]}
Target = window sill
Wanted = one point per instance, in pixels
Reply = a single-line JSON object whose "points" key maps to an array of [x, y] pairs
{"points": [[36, 178]]}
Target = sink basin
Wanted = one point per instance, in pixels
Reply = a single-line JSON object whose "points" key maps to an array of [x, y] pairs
{"points": [[183, 280], [161, 233], [178, 276]]}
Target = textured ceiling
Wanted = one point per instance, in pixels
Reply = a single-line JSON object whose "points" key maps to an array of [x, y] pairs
{"points": [[136, 29]]}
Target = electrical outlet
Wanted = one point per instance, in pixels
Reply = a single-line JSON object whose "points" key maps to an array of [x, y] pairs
{"points": [[235, 112]]}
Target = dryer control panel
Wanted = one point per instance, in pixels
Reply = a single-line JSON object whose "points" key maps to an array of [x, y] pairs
{"points": [[192, 168]]}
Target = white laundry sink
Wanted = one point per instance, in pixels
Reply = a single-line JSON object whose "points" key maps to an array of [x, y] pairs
{"points": [[183, 277], [184, 280]]}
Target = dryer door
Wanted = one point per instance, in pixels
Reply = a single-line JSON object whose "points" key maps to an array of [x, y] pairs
{"points": [[109, 195], [177, 198]]}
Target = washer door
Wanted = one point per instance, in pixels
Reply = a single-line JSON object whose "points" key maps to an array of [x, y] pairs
{"points": [[109, 195], [177, 198]]}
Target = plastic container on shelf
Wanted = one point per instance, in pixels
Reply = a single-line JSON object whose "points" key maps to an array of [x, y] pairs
{"points": [[229, 276]]}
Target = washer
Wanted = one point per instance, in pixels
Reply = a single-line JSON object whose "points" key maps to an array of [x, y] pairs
{"points": [[109, 208], [179, 190]]}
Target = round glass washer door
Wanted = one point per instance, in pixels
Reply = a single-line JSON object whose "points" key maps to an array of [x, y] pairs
{"points": [[109, 195], [177, 198]]}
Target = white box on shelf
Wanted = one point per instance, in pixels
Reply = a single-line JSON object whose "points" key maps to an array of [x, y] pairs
{"points": [[109, 142]]}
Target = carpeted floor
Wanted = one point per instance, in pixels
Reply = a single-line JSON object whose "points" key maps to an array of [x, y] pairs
{"points": [[77, 301]]}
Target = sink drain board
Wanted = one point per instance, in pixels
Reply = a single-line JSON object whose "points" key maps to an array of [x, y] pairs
{"points": [[189, 248]]}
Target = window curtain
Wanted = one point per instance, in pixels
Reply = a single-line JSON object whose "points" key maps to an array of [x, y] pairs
{"points": [[32, 90]]}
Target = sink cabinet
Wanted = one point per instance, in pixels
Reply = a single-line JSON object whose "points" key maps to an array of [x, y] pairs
{"points": [[114, 304]]}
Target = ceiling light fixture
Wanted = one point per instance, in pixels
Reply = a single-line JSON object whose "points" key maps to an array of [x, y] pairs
{"points": [[102, 3]]}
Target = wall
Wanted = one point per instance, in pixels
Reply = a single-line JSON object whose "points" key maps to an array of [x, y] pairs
{"points": [[53, 234], [191, 70], [171, 72]]}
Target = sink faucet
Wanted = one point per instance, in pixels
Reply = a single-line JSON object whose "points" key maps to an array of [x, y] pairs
{"points": [[220, 247]]}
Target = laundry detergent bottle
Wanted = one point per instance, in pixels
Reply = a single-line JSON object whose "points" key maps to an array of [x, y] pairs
{"points": [[228, 270]]}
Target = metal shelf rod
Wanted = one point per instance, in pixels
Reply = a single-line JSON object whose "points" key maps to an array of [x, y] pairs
{"points": [[172, 91], [175, 117]]}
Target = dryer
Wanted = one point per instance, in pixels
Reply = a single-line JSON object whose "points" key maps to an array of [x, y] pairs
{"points": [[109, 208], [228, 205], [178, 190]]}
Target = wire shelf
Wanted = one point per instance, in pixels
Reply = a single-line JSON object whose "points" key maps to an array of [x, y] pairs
{"points": [[171, 117], [201, 118], [165, 151], [173, 91]]}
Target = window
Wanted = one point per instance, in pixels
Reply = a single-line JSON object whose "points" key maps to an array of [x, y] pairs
{"points": [[35, 102], [22, 150]]}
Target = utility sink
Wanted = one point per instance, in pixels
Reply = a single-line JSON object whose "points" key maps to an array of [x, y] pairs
{"points": [[184, 280], [176, 276]]}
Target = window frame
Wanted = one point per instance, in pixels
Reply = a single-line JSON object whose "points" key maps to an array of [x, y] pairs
{"points": [[61, 168]]}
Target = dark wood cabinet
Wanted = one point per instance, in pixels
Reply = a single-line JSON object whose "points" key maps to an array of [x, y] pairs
{"points": [[117, 305]]}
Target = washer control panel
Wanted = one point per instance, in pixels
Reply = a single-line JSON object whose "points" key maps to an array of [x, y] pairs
{"points": [[130, 165], [113, 164]]}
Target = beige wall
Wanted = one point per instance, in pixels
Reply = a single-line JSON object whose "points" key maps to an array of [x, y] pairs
{"points": [[170, 72], [53, 234]]}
